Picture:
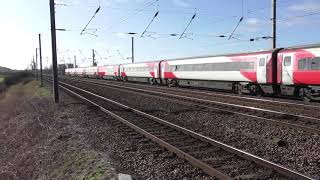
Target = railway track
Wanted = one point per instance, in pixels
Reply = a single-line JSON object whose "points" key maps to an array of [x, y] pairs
{"points": [[254, 101], [212, 157], [294, 121]]}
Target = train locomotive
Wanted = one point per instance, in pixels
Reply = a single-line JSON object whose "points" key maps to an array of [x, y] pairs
{"points": [[293, 71]]}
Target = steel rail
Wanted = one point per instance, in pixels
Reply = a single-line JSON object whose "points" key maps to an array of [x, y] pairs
{"points": [[262, 162], [232, 96], [192, 160], [312, 119], [272, 121]]}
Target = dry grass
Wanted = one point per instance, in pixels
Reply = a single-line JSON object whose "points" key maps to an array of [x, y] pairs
{"points": [[16, 94], [42, 140]]}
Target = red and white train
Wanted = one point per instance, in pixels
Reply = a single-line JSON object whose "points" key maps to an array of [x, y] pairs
{"points": [[293, 71]]}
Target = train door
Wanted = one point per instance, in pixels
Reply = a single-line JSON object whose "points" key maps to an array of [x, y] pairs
{"points": [[155, 69], [287, 69], [262, 70], [162, 69]]}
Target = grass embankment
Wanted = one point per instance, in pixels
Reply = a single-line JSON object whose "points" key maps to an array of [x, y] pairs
{"points": [[16, 94], [43, 140], [9, 79]]}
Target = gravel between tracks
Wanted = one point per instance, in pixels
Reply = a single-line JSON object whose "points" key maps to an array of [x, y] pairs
{"points": [[130, 155], [301, 153], [292, 109]]}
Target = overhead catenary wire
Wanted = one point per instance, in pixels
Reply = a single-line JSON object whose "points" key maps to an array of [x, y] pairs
{"points": [[155, 15], [120, 54], [231, 35], [98, 55], [240, 20], [85, 58], [289, 18], [185, 29], [84, 29], [133, 13]]}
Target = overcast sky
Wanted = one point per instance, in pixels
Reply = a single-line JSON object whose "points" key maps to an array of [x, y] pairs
{"points": [[22, 21]]}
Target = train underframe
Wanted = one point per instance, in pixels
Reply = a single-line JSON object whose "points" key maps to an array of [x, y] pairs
{"points": [[304, 92]]}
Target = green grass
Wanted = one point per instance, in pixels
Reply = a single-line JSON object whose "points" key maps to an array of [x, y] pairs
{"points": [[97, 174], [33, 89], [2, 78]]}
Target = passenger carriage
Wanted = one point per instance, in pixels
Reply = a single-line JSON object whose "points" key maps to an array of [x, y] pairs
{"points": [[108, 72], [237, 72], [140, 72], [91, 72], [299, 71]]}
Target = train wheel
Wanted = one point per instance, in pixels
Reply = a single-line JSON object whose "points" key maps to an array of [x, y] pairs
{"points": [[259, 92], [150, 81], [238, 89], [306, 94], [173, 83], [255, 90]]}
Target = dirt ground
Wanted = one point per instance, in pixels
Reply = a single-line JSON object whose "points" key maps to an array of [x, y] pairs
{"points": [[41, 140]]}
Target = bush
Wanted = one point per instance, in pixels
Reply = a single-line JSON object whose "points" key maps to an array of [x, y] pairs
{"points": [[16, 77]]}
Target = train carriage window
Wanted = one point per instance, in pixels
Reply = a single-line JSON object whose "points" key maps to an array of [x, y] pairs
{"points": [[315, 63], [302, 64], [262, 61], [287, 61]]}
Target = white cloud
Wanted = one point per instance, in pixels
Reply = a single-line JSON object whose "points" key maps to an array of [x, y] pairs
{"points": [[181, 3], [306, 6], [251, 25], [252, 21], [121, 35], [299, 21]]}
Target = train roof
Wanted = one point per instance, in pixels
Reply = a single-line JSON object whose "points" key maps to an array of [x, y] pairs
{"points": [[303, 46], [248, 53], [217, 55]]}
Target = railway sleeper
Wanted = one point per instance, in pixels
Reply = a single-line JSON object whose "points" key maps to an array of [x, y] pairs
{"points": [[204, 152], [153, 128], [176, 138], [259, 175], [169, 136], [193, 146], [159, 133], [231, 166], [272, 140], [177, 143], [219, 158], [145, 141], [137, 136]]}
